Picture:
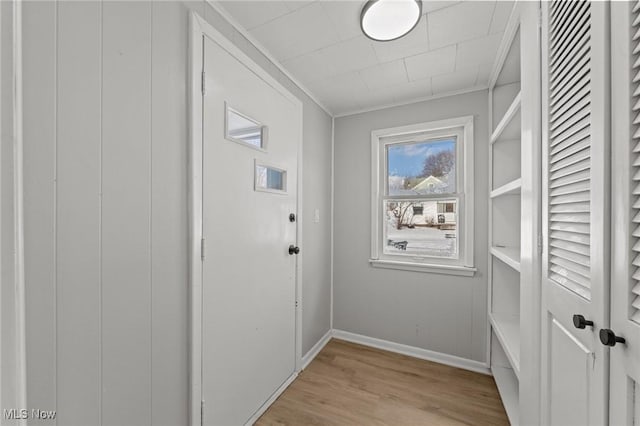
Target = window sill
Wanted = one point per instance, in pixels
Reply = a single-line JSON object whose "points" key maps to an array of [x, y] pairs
{"points": [[420, 267]]}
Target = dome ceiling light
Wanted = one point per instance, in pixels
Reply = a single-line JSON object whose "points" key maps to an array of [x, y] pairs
{"points": [[386, 20]]}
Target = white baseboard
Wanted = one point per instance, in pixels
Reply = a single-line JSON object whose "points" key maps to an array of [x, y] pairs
{"points": [[315, 350], [271, 400], [451, 360]]}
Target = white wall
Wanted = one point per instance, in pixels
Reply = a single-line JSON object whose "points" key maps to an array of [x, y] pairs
{"points": [[105, 138], [442, 313]]}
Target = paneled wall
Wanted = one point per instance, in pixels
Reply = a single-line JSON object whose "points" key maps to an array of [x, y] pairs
{"points": [[441, 313], [11, 343], [105, 140]]}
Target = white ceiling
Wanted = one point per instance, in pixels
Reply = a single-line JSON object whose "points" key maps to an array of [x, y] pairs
{"points": [[320, 43]]}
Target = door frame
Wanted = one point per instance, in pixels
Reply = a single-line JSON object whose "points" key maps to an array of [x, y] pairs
{"points": [[200, 28]]}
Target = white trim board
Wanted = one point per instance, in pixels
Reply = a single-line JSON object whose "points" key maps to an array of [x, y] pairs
{"points": [[332, 227], [412, 351], [316, 349], [283, 387]]}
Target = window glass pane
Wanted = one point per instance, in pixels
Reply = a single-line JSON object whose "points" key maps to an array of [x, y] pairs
{"points": [[427, 167], [269, 178], [421, 228], [242, 129]]}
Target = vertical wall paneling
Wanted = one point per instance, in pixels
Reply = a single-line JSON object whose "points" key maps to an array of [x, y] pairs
{"points": [[169, 213], [78, 211], [126, 206], [39, 103], [106, 131]]}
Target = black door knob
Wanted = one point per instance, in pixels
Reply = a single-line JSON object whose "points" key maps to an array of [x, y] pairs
{"points": [[581, 322], [609, 338], [294, 250]]}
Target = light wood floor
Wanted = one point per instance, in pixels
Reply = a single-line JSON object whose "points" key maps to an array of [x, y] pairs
{"points": [[349, 384]]}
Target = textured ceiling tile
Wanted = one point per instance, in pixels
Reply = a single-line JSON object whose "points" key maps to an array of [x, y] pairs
{"points": [[296, 33], [457, 80], [310, 67], [432, 63], [347, 85], [500, 16], [345, 16], [413, 43], [464, 21], [320, 43], [432, 6], [384, 75], [294, 4], [251, 14], [484, 72], [351, 55], [480, 51]]}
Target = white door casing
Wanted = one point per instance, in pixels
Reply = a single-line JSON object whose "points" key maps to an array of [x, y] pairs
{"points": [[246, 287], [575, 276], [624, 382]]}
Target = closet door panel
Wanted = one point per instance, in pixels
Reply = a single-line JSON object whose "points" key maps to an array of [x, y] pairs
{"points": [[625, 210], [575, 277], [568, 381]]}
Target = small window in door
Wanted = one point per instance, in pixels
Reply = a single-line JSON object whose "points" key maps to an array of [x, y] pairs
{"points": [[270, 179], [244, 130]]}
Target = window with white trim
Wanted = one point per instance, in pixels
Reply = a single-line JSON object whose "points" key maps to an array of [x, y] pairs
{"points": [[422, 203]]}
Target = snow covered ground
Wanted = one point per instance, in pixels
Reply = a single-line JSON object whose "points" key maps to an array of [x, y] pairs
{"points": [[422, 241]]}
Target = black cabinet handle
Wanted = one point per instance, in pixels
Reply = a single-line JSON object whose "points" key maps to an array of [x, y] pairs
{"points": [[609, 338], [581, 322], [294, 250]]}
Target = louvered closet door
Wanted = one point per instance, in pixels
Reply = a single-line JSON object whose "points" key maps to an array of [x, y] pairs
{"points": [[576, 222], [625, 212]]}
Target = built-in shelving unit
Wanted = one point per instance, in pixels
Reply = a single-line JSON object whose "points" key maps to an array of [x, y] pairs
{"points": [[505, 218], [508, 386], [509, 255], [514, 185], [507, 330]]}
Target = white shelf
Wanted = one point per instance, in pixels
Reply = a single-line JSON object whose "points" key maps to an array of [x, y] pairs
{"points": [[507, 330], [507, 384], [509, 126], [512, 187], [509, 255]]}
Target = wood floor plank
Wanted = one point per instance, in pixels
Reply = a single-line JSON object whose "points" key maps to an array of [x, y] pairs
{"points": [[350, 384]]}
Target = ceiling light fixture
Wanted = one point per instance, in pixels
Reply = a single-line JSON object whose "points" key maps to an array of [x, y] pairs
{"points": [[386, 20]]}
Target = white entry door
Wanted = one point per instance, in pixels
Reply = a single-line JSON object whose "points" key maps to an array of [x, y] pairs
{"points": [[251, 133], [624, 407], [575, 276]]}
